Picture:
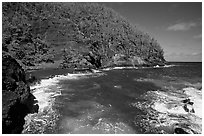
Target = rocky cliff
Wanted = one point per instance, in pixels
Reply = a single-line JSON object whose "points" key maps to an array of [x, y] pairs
{"points": [[17, 101]]}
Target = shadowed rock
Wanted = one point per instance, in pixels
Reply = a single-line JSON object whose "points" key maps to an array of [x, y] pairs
{"points": [[180, 131], [17, 101]]}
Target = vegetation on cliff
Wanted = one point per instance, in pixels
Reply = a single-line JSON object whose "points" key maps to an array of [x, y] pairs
{"points": [[78, 35]]}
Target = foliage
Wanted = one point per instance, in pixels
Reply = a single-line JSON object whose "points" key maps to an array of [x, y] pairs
{"points": [[31, 31]]}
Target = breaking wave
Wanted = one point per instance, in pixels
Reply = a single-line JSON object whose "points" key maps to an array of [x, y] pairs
{"points": [[132, 67], [46, 92], [178, 111], [165, 66], [118, 68]]}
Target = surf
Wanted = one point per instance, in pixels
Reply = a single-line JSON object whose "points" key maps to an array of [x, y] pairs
{"points": [[177, 111], [45, 92]]}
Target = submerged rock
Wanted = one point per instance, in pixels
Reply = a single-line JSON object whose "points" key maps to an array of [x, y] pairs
{"points": [[17, 101]]}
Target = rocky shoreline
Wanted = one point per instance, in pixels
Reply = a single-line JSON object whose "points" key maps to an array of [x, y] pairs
{"points": [[17, 101], [35, 74], [17, 98]]}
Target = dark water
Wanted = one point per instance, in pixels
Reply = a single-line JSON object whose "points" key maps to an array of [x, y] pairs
{"points": [[144, 100]]}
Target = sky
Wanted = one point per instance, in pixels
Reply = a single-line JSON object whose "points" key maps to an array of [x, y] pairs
{"points": [[177, 26]]}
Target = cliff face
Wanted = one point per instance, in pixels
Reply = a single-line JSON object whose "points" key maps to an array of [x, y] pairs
{"points": [[17, 101]]}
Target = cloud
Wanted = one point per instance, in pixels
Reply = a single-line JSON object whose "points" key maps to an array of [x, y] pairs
{"points": [[182, 26], [197, 36]]}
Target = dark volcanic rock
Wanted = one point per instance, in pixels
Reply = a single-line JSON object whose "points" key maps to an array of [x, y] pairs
{"points": [[180, 131], [17, 101]]}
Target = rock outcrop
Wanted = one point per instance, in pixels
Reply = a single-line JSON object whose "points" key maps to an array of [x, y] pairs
{"points": [[17, 101]]}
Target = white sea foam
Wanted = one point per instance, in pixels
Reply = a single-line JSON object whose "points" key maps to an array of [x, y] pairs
{"points": [[48, 88], [132, 67], [46, 91], [165, 66], [167, 109], [171, 103], [195, 96], [164, 108], [93, 120], [96, 71], [173, 106], [107, 69], [118, 68]]}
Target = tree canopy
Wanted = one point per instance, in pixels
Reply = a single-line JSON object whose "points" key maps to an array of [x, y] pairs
{"points": [[82, 34]]}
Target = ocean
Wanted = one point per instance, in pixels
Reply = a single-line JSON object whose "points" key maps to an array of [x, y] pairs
{"points": [[122, 100]]}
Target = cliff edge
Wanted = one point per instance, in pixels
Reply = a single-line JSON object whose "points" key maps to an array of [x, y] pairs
{"points": [[17, 101]]}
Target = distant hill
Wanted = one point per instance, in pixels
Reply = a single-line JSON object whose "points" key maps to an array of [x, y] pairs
{"points": [[74, 35]]}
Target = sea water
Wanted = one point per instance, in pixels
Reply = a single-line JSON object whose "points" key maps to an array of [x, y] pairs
{"points": [[123, 100]]}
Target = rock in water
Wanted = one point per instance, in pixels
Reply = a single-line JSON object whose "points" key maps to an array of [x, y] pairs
{"points": [[17, 101], [186, 101], [180, 131]]}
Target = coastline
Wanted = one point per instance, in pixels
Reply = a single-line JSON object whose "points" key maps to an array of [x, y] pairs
{"points": [[168, 108], [34, 74]]}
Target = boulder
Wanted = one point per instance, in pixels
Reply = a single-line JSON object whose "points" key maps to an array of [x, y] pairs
{"points": [[17, 101]]}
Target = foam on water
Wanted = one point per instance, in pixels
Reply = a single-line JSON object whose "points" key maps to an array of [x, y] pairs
{"points": [[132, 67], [93, 120], [45, 92], [195, 96], [167, 110], [165, 66], [118, 68], [96, 71]]}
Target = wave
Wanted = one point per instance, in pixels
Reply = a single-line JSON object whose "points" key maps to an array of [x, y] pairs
{"points": [[195, 96], [96, 71], [177, 111], [165, 66], [118, 68], [46, 92], [132, 67]]}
